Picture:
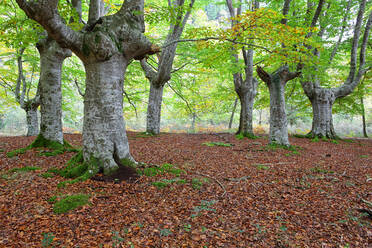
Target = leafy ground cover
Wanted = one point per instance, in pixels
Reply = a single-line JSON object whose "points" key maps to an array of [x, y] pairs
{"points": [[243, 195]]}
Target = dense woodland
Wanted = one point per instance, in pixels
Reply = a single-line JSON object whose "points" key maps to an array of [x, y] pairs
{"points": [[254, 68]]}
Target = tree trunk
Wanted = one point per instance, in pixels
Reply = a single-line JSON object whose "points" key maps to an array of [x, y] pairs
{"points": [[193, 123], [154, 108], [104, 135], [233, 113], [278, 116], [32, 120], [322, 102], [363, 118], [246, 97], [51, 60]]}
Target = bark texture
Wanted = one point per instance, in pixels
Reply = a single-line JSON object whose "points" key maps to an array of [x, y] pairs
{"points": [[31, 118], [51, 60], [278, 118], [105, 46], [154, 108], [159, 76], [104, 135]]}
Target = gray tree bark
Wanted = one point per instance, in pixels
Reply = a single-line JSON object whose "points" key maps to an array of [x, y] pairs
{"points": [[159, 77], [278, 118], [51, 60], [322, 100], [31, 118], [105, 47], [154, 108]]}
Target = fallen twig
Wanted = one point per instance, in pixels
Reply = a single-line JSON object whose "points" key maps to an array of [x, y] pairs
{"points": [[366, 202], [237, 179], [216, 180], [273, 163]]}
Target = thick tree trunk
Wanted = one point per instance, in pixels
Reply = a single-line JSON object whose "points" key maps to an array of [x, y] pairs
{"points": [[104, 135], [32, 121], [278, 116], [51, 60], [322, 102], [154, 108], [246, 97]]}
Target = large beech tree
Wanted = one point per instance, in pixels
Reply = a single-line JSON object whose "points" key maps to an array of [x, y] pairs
{"points": [[160, 75], [321, 98], [105, 46], [245, 88]]}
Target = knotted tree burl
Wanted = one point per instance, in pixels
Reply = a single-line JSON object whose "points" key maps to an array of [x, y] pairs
{"points": [[105, 46]]}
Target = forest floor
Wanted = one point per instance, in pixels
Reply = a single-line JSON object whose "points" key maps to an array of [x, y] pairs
{"points": [[243, 195]]}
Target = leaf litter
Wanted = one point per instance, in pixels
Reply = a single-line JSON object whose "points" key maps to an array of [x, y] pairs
{"points": [[243, 195]]}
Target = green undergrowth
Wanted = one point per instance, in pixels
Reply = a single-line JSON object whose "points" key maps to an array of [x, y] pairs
{"points": [[24, 169], [261, 166], [217, 144], [145, 135], [12, 173], [165, 168], [275, 146], [40, 142], [317, 169], [47, 175], [166, 182], [241, 136], [196, 183], [77, 169], [68, 203]]}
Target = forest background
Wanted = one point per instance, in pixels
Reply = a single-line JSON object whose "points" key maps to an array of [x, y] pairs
{"points": [[200, 95]]}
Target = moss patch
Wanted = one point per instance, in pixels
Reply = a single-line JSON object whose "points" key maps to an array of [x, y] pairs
{"points": [[70, 202], [241, 136], [217, 144], [78, 169], [40, 141]]}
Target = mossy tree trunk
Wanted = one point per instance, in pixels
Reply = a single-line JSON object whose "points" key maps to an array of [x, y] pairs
{"points": [[51, 60], [105, 46]]}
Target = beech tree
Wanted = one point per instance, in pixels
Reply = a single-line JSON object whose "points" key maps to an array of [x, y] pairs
{"points": [[29, 105], [322, 98], [51, 60], [245, 88], [105, 46], [159, 75]]}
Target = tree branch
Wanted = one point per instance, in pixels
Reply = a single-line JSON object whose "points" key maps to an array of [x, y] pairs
{"points": [[179, 94], [78, 88], [344, 20], [130, 102], [263, 75], [217, 38]]}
